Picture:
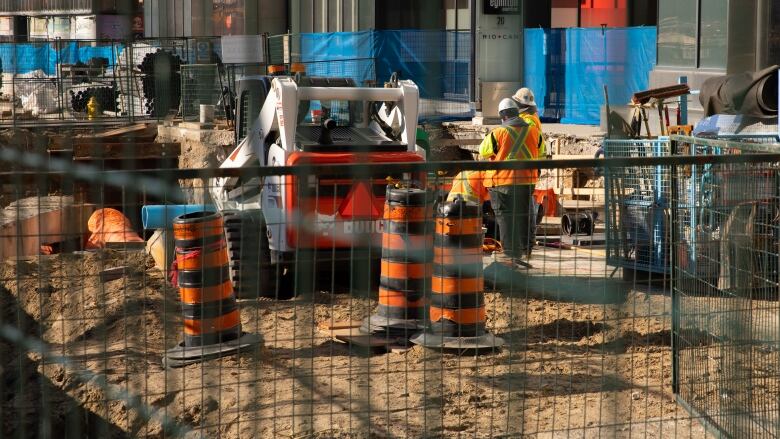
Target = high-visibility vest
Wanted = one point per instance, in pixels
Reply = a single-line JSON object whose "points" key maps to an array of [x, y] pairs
{"points": [[469, 185], [509, 143], [533, 119]]}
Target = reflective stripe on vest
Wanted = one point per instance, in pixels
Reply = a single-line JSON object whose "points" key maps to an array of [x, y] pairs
{"points": [[534, 121], [462, 185], [518, 143], [519, 150], [466, 192]]}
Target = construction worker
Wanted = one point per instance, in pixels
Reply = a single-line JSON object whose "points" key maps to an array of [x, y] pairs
{"points": [[469, 185], [511, 190], [529, 112]]}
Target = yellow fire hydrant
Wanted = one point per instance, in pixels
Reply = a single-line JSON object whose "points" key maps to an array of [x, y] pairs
{"points": [[93, 108]]}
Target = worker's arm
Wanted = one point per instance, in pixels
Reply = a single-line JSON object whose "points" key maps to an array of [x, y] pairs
{"points": [[542, 147], [488, 148]]}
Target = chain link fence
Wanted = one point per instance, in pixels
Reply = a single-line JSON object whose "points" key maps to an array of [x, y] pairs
{"points": [[727, 322], [102, 81], [98, 339], [48, 82]]}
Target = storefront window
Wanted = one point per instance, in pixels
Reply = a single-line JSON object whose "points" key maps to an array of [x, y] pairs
{"points": [[713, 41], [228, 17], [677, 24]]}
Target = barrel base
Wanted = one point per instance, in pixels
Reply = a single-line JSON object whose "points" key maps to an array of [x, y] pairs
{"points": [[379, 325], [484, 342], [181, 355]]}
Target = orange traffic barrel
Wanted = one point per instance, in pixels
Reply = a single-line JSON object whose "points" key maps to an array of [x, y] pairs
{"points": [[212, 321], [457, 314], [406, 266]]}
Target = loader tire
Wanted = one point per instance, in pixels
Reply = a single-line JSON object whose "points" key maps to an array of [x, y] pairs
{"points": [[251, 271]]}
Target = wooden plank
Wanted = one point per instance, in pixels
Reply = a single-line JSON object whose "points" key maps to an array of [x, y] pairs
{"points": [[123, 150], [328, 326], [582, 205], [586, 240], [139, 128], [148, 134], [349, 332], [588, 190], [57, 143]]}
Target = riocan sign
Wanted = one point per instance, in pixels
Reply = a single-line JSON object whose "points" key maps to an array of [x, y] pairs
{"points": [[501, 7]]}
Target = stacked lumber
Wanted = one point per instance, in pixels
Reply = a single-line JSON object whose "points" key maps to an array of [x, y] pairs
{"points": [[128, 142]]}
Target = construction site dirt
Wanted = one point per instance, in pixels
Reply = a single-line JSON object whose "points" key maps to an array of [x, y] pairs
{"points": [[595, 367]]}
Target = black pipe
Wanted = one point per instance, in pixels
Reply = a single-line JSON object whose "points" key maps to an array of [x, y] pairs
{"points": [[580, 223]]}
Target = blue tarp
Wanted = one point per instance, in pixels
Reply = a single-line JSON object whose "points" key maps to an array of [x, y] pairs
{"points": [[340, 54], [28, 57], [568, 68], [437, 61]]}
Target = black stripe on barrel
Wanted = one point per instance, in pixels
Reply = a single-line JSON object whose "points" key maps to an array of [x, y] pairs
{"points": [[457, 305], [209, 308], [407, 252]]}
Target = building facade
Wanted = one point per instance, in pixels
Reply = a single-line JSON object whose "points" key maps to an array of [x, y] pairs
{"points": [[198, 18], [70, 19], [595, 13], [705, 38]]}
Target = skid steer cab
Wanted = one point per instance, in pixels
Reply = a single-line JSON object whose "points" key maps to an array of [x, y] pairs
{"points": [[326, 219]]}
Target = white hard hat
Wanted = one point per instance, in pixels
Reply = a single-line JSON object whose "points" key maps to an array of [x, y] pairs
{"points": [[507, 104], [525, 97]]}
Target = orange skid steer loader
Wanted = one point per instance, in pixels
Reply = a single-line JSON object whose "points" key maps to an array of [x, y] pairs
{"points": [[279, 225]]}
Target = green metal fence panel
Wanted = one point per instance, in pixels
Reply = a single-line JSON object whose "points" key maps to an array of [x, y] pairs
{"points": [[638, 207], [726, 313], [201, 84]]}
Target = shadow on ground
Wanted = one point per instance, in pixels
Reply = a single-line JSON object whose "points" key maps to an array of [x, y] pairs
{"points": [[584, 290], [32, 406]]}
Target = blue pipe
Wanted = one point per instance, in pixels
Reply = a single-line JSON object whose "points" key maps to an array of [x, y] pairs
{"points": [[161, 216]]}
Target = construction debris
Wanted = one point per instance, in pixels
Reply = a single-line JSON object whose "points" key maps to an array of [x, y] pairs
{"points": [[30, 223], [200, 148]]}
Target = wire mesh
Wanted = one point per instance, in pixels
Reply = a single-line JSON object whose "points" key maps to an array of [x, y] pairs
{"points": [[201, 84], [83, 331], [638, 224], [439, 62], [49, 81], [53, 81], [727, 328]]}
